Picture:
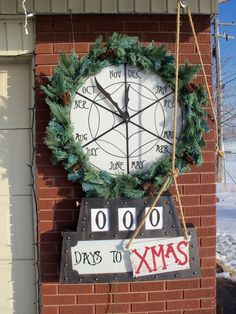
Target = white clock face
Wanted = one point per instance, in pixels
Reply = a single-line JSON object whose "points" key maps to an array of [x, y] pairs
{"points": [[123, 118]]}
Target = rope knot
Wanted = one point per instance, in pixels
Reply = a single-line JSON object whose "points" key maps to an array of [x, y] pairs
{"points": [[174, 173], [221, 153]]}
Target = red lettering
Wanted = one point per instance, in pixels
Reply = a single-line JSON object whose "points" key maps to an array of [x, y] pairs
{"points": [[170, 250], [186, 257], [158, 254], [143, 260]]}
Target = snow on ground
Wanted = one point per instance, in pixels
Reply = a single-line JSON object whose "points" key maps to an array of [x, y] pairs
{"points": [[226, 216], [226, 234]]}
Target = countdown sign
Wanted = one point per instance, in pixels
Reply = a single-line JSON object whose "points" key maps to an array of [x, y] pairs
{"points": [[96, 252]]}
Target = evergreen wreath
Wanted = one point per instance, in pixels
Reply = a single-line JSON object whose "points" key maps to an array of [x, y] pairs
{"points": [[72, 72]]}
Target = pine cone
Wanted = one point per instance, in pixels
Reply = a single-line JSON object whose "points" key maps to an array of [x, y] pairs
{"points": [[110, 53], [190, 88], [65, 98], [77, 167], [210, 117], [150, 187], [189, 158]]}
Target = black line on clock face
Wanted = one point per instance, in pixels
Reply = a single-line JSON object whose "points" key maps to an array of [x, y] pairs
{"points": [[97, 137], [95, 105]]}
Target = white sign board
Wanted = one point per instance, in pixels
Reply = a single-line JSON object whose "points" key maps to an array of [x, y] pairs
{"points": [[146, 256], [157, 256]]}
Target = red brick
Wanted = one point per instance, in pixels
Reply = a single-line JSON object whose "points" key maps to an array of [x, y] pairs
{"points": [[43, 158], [45, 70], [63, 182], [46, 59], [208, 272], [50, 269], [66, 204], [210, 145], [208, 199], [75, 289], [208, 283], [208, 262], [185, 26], [208, 178], [45, 215], [109, 288], [202, 311], [48, 289], [50, 237], [48, 247], [142, 26], [147, 286], [69, 47], [50, 258], [85, 309], [130, 297], [159, 37], [63, 225], [110, 308], [94, 299], [165, 295], [199, 211], [53, 193], [49, 277], [187, 48], [193, 220], [194, 59], [209, 157], [207, 251], [49, 310], [208, 220], [101, 25], [183, 284], [190, 200], [199, 189], [62, 215], [189, 178], [208, 303], [182, 304], [204, 48], [44, 226], [57, 300], [150, 307], [45, 181], [205, 167], [45, 204], [206, 231], [165, 312], [211, 241], [44, 48], [210, 136], [199, 293]]}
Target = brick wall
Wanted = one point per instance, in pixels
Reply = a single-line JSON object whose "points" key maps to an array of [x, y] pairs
{"points": [[57, 196]]}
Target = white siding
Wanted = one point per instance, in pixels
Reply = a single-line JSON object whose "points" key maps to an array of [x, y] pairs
{"points": [[14, 41], [105, 6], [16, 227]]}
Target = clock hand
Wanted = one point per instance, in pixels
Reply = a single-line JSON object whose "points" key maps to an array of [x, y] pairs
{"points": [[96, 103], [108, 96], [127, 98], [126, 90]]}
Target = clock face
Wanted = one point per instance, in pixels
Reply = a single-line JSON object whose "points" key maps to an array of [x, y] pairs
{"points": [[123, 118]]}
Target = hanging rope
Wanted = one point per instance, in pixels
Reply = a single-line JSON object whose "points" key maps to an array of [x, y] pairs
{"points": [[205, 78], [174, 172]]}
